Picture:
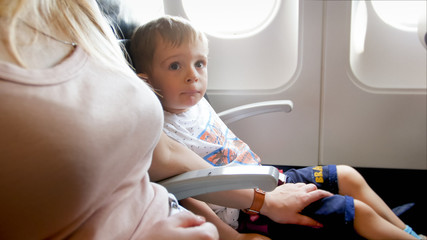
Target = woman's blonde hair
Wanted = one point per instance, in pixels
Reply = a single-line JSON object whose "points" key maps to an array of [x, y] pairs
{"points": [[79, 20], [172, 30]]}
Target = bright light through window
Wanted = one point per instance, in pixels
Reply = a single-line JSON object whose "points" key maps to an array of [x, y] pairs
{"points": [[142, 11], [230, 19], [358, 26], [403, 15]]}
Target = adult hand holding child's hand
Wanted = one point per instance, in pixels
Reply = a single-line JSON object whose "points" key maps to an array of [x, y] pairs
{"points": [[284, 204]]}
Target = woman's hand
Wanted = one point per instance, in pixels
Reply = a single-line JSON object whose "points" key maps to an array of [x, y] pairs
{"points": [[182, 226], [284, 204]]}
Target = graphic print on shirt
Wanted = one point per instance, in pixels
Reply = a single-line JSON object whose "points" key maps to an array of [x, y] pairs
{"points": [[233, 150]]}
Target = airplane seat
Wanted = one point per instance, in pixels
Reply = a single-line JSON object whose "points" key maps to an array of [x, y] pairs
{"points": [[208, 180], [199, 182], [422, 31], [225, 178]]}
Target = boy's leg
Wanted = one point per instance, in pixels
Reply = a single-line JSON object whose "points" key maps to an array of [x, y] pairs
{"points": [[336, 212], [341, 212], [331, 178], [345, 180], [351, 183], [370, 225]]}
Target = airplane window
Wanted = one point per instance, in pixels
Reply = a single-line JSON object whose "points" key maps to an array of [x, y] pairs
{"points": [[142, 11], [231, 19], [403, 15], [385, 51]]}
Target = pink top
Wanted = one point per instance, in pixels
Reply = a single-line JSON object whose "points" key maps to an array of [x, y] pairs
{"points": [[76, 141]]}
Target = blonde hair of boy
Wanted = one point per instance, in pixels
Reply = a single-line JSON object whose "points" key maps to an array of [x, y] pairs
{"points": [[172, 30], [80, 21]]}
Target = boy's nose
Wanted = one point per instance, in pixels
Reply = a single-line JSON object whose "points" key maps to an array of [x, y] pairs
{"points": [[192, 77]]}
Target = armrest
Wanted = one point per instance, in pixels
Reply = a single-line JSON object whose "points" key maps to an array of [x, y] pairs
{"points": [[249, 110], [216, 179]]}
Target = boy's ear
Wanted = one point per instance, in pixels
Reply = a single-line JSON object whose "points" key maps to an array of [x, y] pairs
{"points": [[144, 77]]}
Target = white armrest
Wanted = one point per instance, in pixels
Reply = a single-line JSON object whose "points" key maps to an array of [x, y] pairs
{"points": [[249, 110], [216, 179]]}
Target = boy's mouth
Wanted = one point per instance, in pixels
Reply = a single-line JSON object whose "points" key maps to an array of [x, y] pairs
{"points": [[191, 92]]}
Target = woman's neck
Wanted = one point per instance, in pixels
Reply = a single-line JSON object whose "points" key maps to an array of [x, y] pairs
{"points": [[36, 49]]}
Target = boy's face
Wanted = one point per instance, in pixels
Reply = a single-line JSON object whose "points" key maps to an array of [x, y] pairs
{"points": [[179, 74]]}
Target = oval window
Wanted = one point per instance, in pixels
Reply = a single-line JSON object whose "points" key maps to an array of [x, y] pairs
{"points": [[231, 19], [403, 15]]}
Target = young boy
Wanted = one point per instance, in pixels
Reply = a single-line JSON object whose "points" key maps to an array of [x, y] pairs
{"points": [[172, 57]]}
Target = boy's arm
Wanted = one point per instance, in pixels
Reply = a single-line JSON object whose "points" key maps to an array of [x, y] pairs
{"points": [[283, 205], [224, 230], [171, 158], [202, 209]]}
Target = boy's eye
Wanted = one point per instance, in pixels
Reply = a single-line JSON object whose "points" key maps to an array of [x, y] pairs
{"points": [[174, 66], [200, 64]]}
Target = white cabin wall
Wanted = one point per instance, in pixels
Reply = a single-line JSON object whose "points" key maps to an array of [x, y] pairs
{"points": [[336, 118], [365, 126]]}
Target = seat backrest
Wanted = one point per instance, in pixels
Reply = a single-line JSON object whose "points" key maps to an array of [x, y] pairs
{"points": [[112, 10], [124, 28]]}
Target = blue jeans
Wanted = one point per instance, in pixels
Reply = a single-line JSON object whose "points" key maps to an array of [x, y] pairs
{"points": [[336, 210], [336, 213]]}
